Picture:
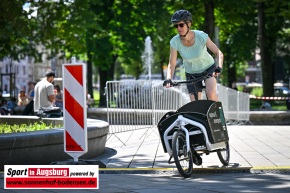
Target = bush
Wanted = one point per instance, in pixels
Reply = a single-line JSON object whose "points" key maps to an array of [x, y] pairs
{"points": [[257, 91], [5, 128]]}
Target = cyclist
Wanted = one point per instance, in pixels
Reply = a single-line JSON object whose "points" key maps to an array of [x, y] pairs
{"points": [[192, 46]]}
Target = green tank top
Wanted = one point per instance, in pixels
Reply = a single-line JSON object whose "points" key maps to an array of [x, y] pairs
{"points": [[196, 58]]}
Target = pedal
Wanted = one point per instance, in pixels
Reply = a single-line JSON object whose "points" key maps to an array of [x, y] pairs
{"points": [[197, 160]]}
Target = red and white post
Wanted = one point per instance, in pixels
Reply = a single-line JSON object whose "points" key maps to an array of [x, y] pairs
{"points": [[75, 109]]}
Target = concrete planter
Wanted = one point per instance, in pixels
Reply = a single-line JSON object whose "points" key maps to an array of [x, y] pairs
{"points": [[46, 146], [270, 117]]}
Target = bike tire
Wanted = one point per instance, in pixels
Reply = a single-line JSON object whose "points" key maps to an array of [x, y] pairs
{"points": [[224, 154], [182, 159]]}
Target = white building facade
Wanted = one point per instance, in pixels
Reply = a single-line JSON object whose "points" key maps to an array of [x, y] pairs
{"points": [[15, 75]]}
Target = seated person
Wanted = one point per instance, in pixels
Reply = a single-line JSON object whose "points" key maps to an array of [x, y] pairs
{"points": [[22, 98], [3, 108], [11, 104]]}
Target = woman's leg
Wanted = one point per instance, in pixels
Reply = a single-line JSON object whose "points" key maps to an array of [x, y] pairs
{"points": [[192, 98], [211, 92]]}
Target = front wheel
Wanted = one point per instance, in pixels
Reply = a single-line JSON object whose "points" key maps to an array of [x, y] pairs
{"points": [[182, 158], [224, 154]]}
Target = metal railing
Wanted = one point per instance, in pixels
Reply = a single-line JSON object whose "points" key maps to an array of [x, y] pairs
{"points": [[138, 104]]}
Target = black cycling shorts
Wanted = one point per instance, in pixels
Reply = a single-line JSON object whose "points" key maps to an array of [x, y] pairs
{"points": [[198, 85]]}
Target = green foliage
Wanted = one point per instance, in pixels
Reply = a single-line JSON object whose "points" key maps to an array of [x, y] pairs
{"points": [[15, 31], [257, 91], [113, 32], [5, 128], [237, 24], [255, 104], [275, 18]]}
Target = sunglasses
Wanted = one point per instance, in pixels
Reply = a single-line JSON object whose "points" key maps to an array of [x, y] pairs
{"points": [[180, 25]]}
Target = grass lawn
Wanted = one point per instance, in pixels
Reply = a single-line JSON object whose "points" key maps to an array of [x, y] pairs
{"points": [[96, 94], [255, 104], [96, 98]]}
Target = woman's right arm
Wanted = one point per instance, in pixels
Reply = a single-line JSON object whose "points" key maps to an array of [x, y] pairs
{"points": [[172, 63], [171, 67]]}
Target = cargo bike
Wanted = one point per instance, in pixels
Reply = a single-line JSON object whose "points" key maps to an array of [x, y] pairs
{"points": [[194, 129]]}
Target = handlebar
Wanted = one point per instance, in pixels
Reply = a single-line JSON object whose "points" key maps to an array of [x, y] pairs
{"points": [[191, 81]]}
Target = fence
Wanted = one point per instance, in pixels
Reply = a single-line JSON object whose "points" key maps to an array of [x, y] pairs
{"points": [[137, 104]]}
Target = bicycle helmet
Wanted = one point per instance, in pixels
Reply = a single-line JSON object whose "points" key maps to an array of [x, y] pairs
{"points": [[181, 15]]}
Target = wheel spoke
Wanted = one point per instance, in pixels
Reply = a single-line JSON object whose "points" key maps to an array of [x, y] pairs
{"points": [[182, 158]]}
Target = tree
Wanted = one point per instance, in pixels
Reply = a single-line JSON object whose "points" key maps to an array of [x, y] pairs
{"points": [[209, 23], [124, 26], [112, 32], [16, 31], [265, 52], [236, 21], [273, 17]]}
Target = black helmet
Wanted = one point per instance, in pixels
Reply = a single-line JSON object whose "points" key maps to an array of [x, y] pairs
{"points": [[181, 15]]}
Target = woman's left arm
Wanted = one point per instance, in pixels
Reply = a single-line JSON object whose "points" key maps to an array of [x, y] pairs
{"points": [[214, 49]]}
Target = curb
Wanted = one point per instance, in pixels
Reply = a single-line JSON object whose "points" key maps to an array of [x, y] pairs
{"points": [[170, 171], [254, 170]]}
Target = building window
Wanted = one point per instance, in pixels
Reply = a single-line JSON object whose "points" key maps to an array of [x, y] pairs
{"points": [[23, 70]]}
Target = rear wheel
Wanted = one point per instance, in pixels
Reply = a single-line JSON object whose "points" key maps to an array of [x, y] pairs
{"points": [[182, 158], [224, 154]]}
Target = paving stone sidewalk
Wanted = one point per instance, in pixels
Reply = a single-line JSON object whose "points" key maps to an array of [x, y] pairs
{"points": [[136, 162], [250, 146]]}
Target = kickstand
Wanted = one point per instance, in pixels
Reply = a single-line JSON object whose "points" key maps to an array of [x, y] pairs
{"points": [[169, 161]]}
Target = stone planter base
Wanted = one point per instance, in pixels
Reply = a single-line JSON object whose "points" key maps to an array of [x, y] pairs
{"points": [[46, 146]]}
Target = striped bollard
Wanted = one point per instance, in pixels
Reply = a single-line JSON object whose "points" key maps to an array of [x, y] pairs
{"points": [[75, 110]]}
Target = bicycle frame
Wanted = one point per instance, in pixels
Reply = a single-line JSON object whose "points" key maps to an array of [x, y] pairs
{"points": [[180, 122]]}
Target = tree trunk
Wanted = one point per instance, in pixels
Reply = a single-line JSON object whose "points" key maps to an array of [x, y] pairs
{"points": [[163, 77], [209, 18], [230, 68], [106, 75], [232, 78], [265, 52], [103, 80]]}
